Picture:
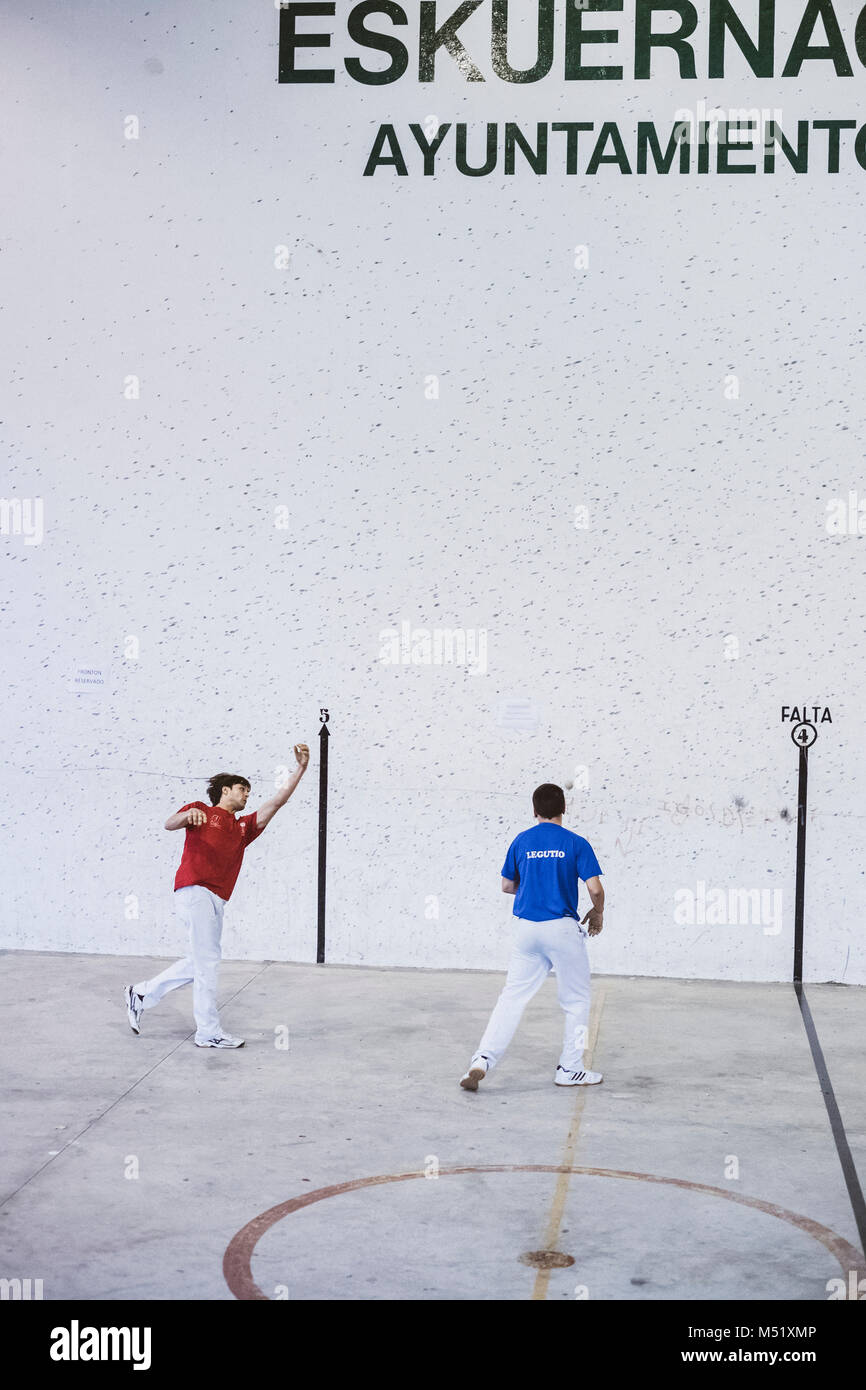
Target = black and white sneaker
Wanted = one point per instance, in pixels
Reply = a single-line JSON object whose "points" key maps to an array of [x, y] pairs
{"points": [[223, 1040], [134, 1007], [478, 1069], [576, 1078]]}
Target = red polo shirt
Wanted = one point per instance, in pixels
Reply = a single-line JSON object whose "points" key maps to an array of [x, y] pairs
{"points": [[213, 853]]}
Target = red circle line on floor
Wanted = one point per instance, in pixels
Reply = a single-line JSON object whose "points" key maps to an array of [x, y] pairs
{"points": [[238, 1256]]}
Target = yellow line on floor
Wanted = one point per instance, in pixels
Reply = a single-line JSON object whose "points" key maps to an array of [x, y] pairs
{"points": [[551, 1233]]}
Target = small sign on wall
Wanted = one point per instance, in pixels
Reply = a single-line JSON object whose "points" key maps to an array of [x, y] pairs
{"points": [[519, 713], [88, 678], [805, 721]]}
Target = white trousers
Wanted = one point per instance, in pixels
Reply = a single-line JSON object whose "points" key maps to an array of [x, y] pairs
{"points": [[202, 913], [538, 947]]}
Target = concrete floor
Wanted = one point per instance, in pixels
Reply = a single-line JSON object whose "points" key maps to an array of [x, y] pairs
{"points": [[131, 1163]]}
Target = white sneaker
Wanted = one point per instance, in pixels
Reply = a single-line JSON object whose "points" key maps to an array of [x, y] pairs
{"points": [[223, 1040], [576, 1078], [477, 1071], [134, 1007]]}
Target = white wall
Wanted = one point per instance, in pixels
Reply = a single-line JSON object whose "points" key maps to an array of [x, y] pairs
{"points": [[305, 388]]}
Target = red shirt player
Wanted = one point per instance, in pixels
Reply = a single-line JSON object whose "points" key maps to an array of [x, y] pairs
{"points": [[213, 851]]}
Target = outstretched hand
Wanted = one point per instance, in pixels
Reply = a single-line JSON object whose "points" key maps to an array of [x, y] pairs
{"points": [[302, 753]]}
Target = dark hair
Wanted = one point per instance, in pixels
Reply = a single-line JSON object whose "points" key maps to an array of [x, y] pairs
{"points": [[548, 801], [224, 779]]}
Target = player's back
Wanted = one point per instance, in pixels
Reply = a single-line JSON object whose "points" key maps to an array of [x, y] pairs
{"points": [[546, 861]]}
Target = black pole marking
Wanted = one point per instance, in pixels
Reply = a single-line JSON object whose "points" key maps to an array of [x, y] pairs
{"points": [[852, 1182], [804, 736], [799, 895], [324, 739]]}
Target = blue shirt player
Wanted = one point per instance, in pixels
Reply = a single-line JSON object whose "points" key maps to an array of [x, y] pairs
{"points": [[542, 869]]}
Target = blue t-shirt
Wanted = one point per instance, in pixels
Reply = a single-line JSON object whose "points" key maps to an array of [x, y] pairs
{"points": [[546, 861]]}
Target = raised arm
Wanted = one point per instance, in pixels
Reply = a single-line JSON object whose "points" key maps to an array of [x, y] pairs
{"points": [[181, 819], [596, 912], [268, 809]]}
